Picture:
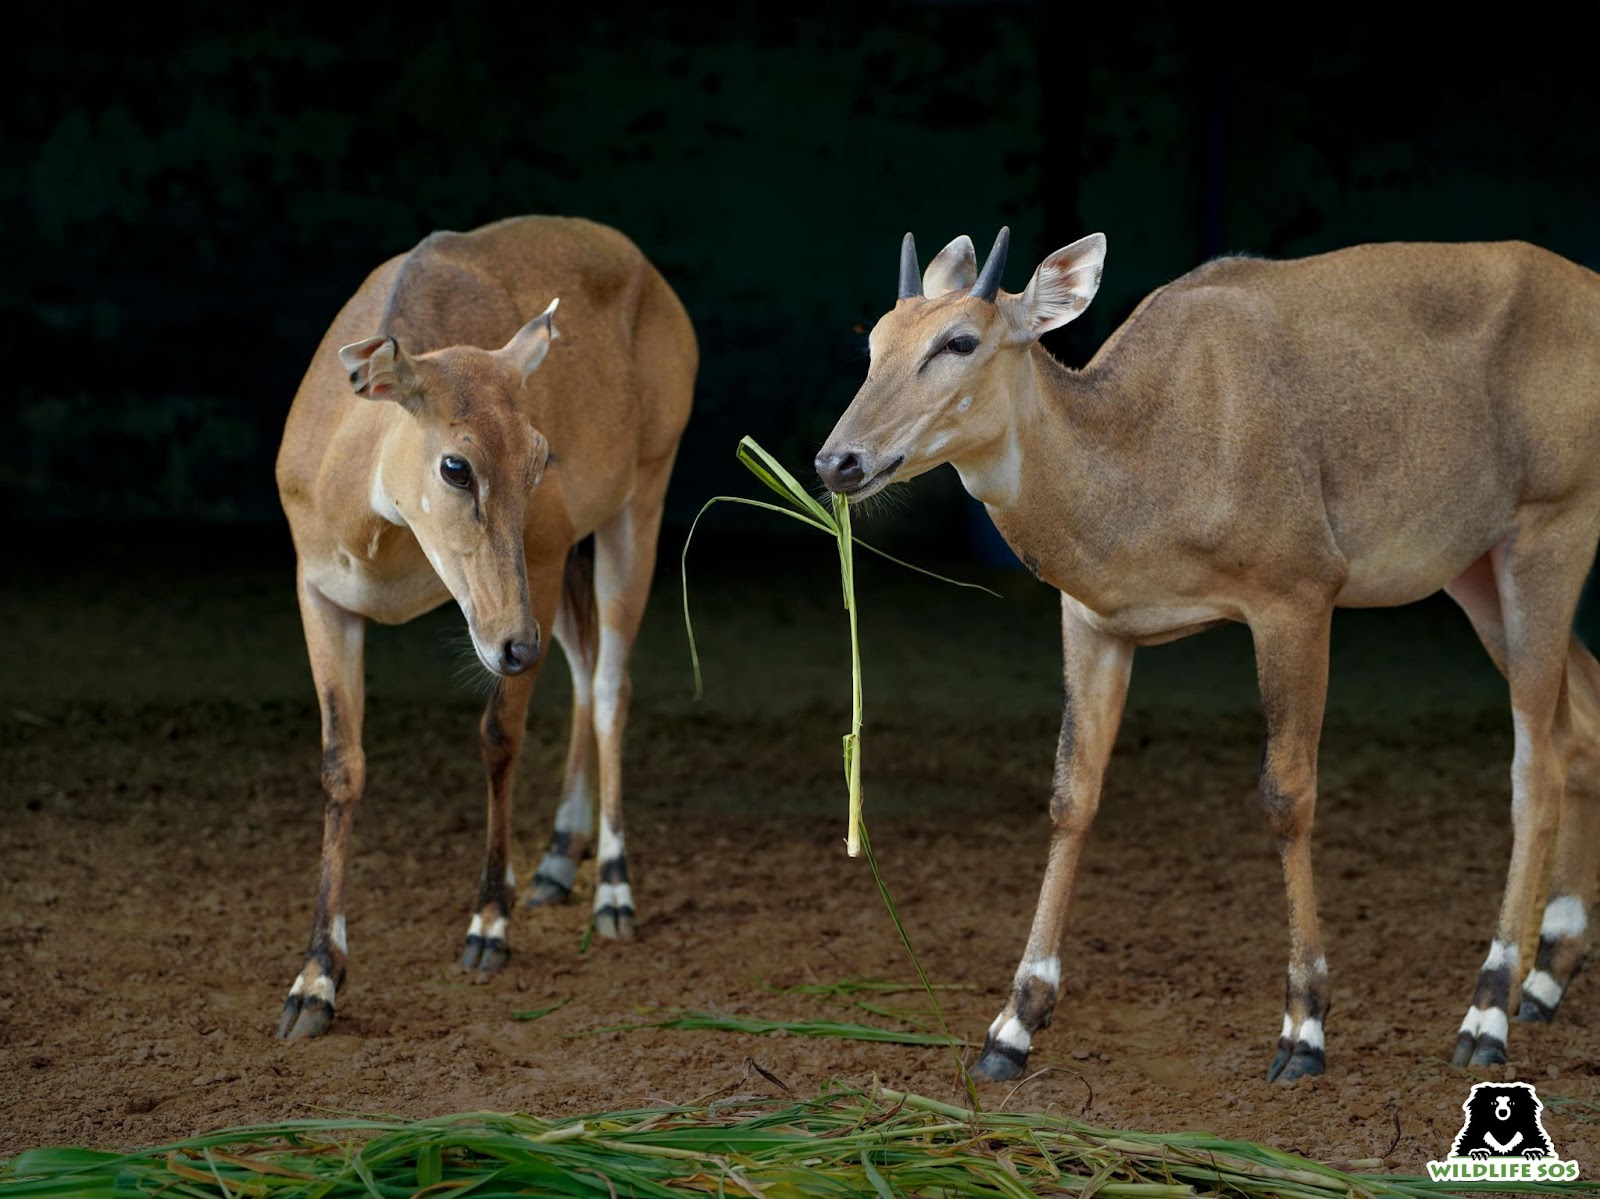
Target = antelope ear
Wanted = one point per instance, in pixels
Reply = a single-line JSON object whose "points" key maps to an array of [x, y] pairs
{"points": [[379, 369], [954, 268], [526, 350], [1060, 289], [541, 457]]}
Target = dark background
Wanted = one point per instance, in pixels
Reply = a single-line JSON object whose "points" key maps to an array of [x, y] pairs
{"points": [[191, 192]]}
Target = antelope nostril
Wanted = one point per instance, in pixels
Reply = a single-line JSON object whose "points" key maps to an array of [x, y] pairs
{"points": [[839, 470], [517, 656]]}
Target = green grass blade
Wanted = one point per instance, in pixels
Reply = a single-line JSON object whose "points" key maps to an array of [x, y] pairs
{"points": [[771, 472], [683, 564], [542, 1012]]}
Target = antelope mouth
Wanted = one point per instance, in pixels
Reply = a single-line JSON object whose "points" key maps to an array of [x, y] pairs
{"points": [[874, 482]]}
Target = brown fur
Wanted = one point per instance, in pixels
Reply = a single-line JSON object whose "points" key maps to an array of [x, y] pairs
{"points": [[581, 445], [1261, 442]]}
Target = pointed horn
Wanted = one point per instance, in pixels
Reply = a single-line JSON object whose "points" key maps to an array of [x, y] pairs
{"points": [[910, 272], [988, 284]]}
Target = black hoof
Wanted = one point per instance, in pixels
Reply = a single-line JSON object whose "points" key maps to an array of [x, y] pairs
{"points": [[1535, 1012], [1303, 1062], [305, 1016], [545, 890], [999, 1063], [484, 957], [614, 923], [1478, 1051]]}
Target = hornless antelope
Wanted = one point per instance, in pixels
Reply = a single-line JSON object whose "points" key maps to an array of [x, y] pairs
{"points": [[456, 471], [1264, 442]]}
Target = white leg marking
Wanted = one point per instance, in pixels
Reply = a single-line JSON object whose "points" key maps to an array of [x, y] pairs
{"points": [[497, 930], [613, 895], [511, 876], [1494, 1024], [475, 929], [1014, 1036], [576, 813], [1310, 1034], [610, 841], [607, 699], [1564, 918], [1288, 1027], [1485, 1022], [320, 988], [1502, 955], [1046, 970], [337, 933], [1541, 986]]}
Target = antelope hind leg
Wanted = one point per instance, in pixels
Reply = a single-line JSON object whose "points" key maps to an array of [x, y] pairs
{"points": [[1537, 575], [1564, 930], [574, 826]]}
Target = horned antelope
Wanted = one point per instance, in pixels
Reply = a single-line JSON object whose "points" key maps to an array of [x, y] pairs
{"points": [[432, 453], [1264, 442]]}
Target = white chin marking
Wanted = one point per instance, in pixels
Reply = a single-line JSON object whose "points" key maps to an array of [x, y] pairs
{"points": [[1563, 918], [966, 402], [1013, 1036], [1490, 1022], [613, 895], [1310, 1034], [1502, 955], [337, 933], [475, 929], [1046, 970], [1541, 986]]}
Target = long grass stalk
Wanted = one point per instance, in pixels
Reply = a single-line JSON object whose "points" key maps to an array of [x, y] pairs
{"points": [[846, 1142]]}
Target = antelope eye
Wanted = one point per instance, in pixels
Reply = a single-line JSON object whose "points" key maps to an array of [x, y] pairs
{"points": [[455, 471], [964, 344]]}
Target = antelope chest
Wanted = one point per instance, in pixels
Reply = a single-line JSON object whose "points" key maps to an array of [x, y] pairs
{"points": [[1150, 623], [390, 588]]}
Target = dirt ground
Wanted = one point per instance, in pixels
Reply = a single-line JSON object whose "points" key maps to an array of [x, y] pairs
{"points": [[158, 784]]}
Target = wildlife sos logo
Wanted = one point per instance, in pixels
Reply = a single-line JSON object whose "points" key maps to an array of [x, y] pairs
{"points": [[1503, 1139]]}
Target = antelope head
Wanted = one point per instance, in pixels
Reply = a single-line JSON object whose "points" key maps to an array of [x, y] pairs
{"points": [[461, 472], [947, 358]]}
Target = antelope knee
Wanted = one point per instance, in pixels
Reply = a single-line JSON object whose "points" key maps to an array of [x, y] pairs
{"points": [[1071, 811], [344, 771]]}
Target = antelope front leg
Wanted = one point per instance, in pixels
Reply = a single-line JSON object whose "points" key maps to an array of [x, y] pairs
{"points": [[1292, 668], [334, 645], [504, 726], [1095, 673]]}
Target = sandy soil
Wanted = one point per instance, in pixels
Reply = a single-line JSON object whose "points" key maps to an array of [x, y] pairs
{"points": [[158, 783]]}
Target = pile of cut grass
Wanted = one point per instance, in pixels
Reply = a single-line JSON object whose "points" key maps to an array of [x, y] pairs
{"points": [[845, 1143]]}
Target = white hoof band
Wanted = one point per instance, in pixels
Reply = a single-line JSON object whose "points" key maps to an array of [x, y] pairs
{"points": [[1541, 986], [1564, 918], [320, 988], [1502, 956], [613, 895], [1485, 1022], [1011, 1034]]}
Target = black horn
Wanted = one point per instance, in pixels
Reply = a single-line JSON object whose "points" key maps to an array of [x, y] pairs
{"points": [[988, 284], [910, 272]]}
